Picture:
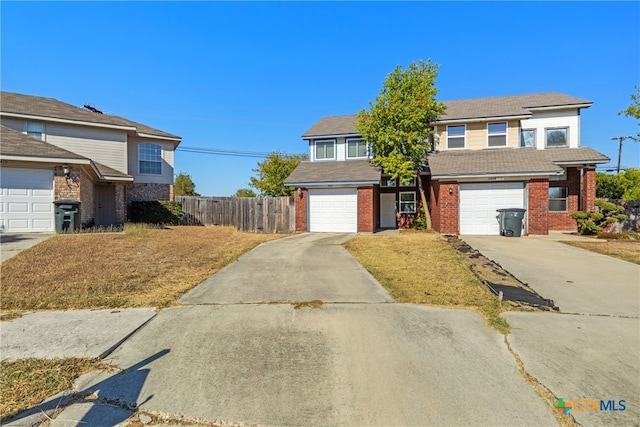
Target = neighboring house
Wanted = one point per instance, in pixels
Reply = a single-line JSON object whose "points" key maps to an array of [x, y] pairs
{"points": [[518, 151], [51, 151]]}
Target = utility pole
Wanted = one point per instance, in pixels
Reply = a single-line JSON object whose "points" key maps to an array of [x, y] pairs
{"points": [[620, 139]]}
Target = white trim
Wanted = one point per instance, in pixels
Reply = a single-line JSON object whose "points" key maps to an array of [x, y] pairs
{"points": [[561, 107], [456, 136], [482, 119], [335, 149], [579, 162], [415, 201], [45, 159], [140, 144], [567, 137], [331, 184], [346, 148], [168, 138], [488, 176], [535, 137], [505, 133], [75, 122], [331, 136]]}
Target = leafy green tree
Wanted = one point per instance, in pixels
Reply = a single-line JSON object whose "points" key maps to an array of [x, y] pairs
{"points": [[184, 185], [398, 124], [622, 186], [245, 192], [272, 172], [633, 110]]}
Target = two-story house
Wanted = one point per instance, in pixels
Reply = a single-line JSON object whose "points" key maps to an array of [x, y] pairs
{"points": [[51, 151], [518, 151]]}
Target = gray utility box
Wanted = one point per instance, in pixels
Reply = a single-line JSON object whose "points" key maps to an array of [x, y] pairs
{"points": [[511, 221], [67, 213]]}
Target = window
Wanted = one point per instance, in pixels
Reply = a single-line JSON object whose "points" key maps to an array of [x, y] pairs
{"points": [[35, 130], [558, 199], [408, 182], [150, 158], [356, 148], [408, 202], [557, 137], [528, 138], [455, 136], [325, 150], [387, 182], [497, 134]]}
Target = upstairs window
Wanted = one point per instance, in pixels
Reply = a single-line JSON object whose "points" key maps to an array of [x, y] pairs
{"points": [[386, 181], [35, 130], [455, 136], [557, 137], [325, 150], [528, 138], [497, 134], [356, 149], [150, 158], [408, 182]]}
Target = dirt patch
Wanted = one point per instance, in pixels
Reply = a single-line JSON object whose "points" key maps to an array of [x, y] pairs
{"points": [[497, 279]]}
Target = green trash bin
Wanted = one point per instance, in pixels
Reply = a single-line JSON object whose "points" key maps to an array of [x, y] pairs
{"points": [[67, 215], [511, 221]]}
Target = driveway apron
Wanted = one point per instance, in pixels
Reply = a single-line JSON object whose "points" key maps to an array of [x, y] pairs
{"points": [[299, 268]]}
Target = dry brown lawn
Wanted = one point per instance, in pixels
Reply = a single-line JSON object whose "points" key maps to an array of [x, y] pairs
{"points": [[422, 268], [150, 269], [621, 249]]}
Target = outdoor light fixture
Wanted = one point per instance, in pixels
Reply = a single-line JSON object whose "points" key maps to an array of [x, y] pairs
{"points": [[299, 191], [450, 190], [66, 171]]}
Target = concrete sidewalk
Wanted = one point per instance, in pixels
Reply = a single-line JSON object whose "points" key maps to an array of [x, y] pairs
{"points": [[577, 280], [74, 333]]}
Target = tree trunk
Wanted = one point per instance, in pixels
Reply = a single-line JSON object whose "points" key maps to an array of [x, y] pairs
{"points": [[425, 206]]}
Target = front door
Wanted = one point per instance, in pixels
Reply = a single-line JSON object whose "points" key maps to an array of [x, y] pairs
{"points": [[387, 210], [105, 205]]}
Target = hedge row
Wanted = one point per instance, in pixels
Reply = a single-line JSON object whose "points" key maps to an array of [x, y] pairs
{"points": [[156, 212]]}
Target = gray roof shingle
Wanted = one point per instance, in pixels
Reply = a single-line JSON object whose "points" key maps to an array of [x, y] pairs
{"points": [[48, 107], [477, 108], [505, 161], [352, 171]]}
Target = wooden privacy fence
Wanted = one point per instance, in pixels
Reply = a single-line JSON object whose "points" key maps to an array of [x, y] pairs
{"points": [[255, 214]]}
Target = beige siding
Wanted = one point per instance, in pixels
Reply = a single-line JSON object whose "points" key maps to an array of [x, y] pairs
{"points": [[105, 146], [476, 135], [167, 162]]}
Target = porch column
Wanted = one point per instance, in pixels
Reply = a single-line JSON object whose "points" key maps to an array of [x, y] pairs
{"points": [[588, 189]]}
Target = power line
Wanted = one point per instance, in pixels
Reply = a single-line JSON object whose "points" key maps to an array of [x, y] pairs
{"points": [[620, 139], [223, 152]]}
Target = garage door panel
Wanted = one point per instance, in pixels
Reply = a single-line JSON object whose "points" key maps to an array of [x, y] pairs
{"points": [[26, 200], [333, 210], [479, 204]]}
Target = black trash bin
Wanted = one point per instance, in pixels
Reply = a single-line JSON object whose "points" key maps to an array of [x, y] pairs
{"points": [[67, 214], [511, 221]]}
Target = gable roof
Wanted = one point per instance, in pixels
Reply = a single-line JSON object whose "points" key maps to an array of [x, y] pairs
{"points": [[16, 145], [509, 161], [343, 172], [466, 109], [15, 104]]}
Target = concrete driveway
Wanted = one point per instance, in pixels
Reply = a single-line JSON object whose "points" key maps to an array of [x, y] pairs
{"points": [[363, 361], [12, 244], [592, 353]]}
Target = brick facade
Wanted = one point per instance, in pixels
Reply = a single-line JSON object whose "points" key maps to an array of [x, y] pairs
{"points": [[147, 192], [538, 206], [562, 221], [67, 188], [87, 198], [301, 196], [588, 190], [444, 206], [366, 209], [121, 203]]}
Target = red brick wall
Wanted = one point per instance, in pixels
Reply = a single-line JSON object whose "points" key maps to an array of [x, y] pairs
{"points": [[588, 190], [444, 207], [301, 209], [562, 221], [366, 209], [67, 188], [538, 206], [87, 198]]}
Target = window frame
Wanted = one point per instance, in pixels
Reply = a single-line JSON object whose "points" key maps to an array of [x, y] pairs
{"points": [[324, 142], [501, 133], [401, 203], [153, 161], [412, 183], [39, 135], [385, 180], [533, 131], [356, 140], [563, 200], [546, 136], [463, 137]]}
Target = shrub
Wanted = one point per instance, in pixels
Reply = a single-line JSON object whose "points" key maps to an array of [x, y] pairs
{"points": [[420, 221], [630, 235], [592, 223], [156, 212]]}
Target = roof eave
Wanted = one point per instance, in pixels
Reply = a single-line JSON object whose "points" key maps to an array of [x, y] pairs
{"points": [[482, 119], [580, 162], [561, 107], [335, 135], [68, 121], [40, 159], [168, 138], [497, 175], [330, 183]]}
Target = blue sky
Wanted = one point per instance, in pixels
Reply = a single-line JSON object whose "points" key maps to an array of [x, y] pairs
{"points": [[254, 76]]}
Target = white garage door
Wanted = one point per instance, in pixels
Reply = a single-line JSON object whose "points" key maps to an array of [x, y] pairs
{"points": [[333, 210], [26, 200], [479, 202]]}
